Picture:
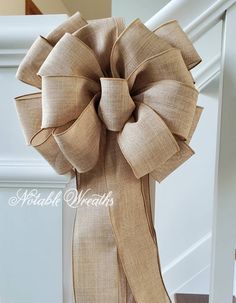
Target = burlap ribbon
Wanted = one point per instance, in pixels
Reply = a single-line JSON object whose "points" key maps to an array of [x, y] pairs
{"points": [[117, 104]]}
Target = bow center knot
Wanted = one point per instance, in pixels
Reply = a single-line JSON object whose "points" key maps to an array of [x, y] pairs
{"points": [[116, 104]]}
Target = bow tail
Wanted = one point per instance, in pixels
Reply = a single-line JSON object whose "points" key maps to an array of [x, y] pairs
{"points": [[133, 227], [96, 269], [116, 243]]}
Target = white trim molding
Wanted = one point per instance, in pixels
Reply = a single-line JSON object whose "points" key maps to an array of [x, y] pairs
{"points": [[224, 223], [196, 17], [188, 265], [11, 58], [208, 73], [17, 33], [207, 18], [33, 173]]}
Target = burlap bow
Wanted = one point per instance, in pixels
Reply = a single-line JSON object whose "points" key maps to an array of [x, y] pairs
{"points": [[100, 80]]}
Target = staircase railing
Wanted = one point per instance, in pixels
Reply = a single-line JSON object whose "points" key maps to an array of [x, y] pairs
{"points": [[197, 17]]}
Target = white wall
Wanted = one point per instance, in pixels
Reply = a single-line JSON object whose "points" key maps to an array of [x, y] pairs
{"points": [[184, 203], [30, 263], [30, 236], [132, 9]]}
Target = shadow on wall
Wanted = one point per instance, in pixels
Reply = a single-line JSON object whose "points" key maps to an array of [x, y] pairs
{"points": [[90, 9]]}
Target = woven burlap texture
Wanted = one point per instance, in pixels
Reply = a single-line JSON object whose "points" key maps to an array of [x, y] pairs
{"points": [[116, 105]]}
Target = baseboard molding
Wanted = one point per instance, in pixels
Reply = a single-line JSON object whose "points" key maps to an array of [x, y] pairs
{"points": [[194, 298], [188, 265], [191, 298]]}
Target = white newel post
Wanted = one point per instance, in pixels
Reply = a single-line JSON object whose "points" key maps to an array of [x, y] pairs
{"points": [[30, 236], [224, 227]]}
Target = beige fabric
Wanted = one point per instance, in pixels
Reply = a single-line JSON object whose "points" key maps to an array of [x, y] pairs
{"points": [[174, 101], [134, 238], [163, 66], [29, 67], [69, 26], [173, 34], [80, 142], [38, 52], [160, 144], [196, 119], [65, 98], [72, 57], [101, 34], [162, 171], [29, 109], [116, 105], [96, 270], [135, 44], [30, 105]]}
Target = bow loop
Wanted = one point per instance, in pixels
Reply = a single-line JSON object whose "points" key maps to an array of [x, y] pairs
{"points": [[80, 141], [71, 57], [174, 101], [116, 105], [29, 67], [147, 142], [64, 98], [150, 99], [176, 37], [30, 115], [100, 36], [134, 45]]}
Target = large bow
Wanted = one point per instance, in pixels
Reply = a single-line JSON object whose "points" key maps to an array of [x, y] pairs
{"points": [[124, 97], [132, 81]]}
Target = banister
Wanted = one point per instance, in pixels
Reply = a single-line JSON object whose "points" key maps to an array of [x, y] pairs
{"points": [[196, 17], [19, 32]]}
